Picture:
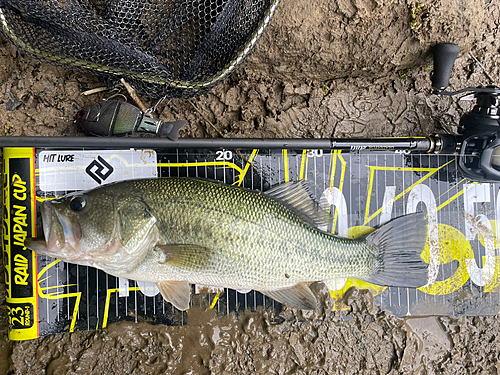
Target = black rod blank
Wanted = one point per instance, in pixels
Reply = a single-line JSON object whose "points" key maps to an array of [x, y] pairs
{"points": [[410, 144]]}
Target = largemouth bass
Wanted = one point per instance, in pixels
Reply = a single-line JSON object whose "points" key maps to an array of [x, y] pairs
{"points": [[181, 231]]}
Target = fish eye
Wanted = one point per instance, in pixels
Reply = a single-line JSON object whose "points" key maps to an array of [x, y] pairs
{"points": [[77, 203]]}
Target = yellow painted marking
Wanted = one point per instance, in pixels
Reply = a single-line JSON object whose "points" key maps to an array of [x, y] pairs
{"points": [[106, 307], [60, 294], [336, 154], [303, 165], [18, 153], [223, 164], [453, 187], [201, 164], [334, 169], [372, 171], [214, 302], [55, 296], [307, 168], [55, 286], [341, 185], [344, 164], [40, 199], [369, 190], [284, 154], [452, 246], [44, 269], [332, 179], [239, 181], [451, 199]]}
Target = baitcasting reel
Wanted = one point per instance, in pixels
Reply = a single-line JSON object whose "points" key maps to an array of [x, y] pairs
{"points": [[479, 129]]}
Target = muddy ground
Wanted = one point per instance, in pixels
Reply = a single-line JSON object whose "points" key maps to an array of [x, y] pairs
{"points": [[341, 68]]}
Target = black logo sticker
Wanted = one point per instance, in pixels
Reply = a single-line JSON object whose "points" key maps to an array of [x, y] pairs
{"points": [[100, 165]]}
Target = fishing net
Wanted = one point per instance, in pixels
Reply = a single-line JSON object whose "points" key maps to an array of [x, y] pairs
{"points": [[163, 48]]}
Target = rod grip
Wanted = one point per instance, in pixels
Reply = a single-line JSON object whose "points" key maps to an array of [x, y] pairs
{"points": [[445, 55]]}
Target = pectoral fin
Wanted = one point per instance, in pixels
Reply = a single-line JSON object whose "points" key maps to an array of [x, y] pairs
{"points": [[298, 296], [190, 257], [176, 292]]}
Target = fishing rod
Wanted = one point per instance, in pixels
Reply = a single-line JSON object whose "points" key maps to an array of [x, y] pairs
{"points": [[476, 145]]}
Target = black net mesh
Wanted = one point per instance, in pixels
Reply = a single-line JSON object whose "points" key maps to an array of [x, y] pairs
{"points": [[172, 48]]}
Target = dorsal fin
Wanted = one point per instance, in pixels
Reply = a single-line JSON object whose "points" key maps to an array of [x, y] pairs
{"points": [[296, 195]]}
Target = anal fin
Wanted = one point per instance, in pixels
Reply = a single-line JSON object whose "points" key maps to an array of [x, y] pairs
{"points": [[298, 296], [176, 292]]}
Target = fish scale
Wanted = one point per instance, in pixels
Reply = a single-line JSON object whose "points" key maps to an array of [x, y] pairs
{"points": [[255, 241]]}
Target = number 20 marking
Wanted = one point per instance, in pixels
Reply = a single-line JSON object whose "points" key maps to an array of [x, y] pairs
{"points": [[224, 155]]}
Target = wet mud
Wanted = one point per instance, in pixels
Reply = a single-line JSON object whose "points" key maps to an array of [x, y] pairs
{"points": [[342, 68], [360, 341]]}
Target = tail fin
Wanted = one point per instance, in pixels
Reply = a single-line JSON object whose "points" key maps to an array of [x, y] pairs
{"points": [[400, 241]]}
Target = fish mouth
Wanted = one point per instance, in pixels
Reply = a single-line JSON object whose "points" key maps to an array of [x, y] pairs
{"points": [[62, 235], [37, 245]]}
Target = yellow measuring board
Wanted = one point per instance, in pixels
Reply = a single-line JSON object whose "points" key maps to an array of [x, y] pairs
{"points": [[19, 223], [362, 191]]}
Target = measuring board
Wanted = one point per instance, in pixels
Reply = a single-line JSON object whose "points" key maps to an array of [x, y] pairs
{"points": [[363, 189]]}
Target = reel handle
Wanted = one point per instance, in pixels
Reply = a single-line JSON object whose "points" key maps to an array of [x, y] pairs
{"points": [[445, 55]]}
